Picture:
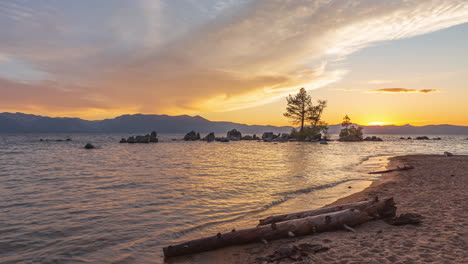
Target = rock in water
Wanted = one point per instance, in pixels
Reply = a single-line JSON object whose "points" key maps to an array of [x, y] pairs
{"points": [[123, 140], [154, 137], [143, 139], [191, 136], [448, 154], [89, 146], [131, 140], [210, 137], [234, 135], [268, 135], [422, 138]]}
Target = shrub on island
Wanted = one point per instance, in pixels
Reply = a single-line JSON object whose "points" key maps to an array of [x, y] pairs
{"points": [[350, 132]]}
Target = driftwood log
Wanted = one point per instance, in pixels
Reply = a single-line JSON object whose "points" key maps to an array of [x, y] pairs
{"points": [[298, 227], [391, 170], [359, 206]]}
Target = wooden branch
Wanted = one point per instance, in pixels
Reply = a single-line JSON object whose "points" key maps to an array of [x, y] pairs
{"points": [[391, 170], [286, 217], [298, 227]]}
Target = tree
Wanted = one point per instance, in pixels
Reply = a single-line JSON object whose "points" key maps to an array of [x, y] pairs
{"points": [[346, 122], [298, 107], [315, 112]]}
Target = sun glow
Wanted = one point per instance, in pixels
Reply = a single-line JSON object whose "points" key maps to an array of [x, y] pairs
{"points": [[377, 123]]}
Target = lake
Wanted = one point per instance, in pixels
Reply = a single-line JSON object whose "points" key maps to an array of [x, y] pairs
{"points": [[60, 203]]}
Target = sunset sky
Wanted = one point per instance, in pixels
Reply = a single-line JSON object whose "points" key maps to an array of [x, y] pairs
{"points": [[380, 62]]}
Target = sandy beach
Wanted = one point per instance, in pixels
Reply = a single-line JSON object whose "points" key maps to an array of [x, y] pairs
{"points": [[436, 189]]}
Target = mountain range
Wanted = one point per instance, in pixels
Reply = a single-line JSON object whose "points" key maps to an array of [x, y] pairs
{"points": [[139, 123]]}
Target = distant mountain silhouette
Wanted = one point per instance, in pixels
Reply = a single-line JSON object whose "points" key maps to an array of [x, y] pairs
{"points": [[26, 123]]}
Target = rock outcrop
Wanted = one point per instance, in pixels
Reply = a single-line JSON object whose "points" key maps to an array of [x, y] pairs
{"points": [[210, 137], [148, 138], [234, 135], [192, 136]]}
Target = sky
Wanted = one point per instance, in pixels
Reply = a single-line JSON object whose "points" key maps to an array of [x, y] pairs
{"points": [[380, 62]]}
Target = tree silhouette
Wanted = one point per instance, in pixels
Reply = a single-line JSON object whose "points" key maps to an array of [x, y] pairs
{"points": [[298, 107]]}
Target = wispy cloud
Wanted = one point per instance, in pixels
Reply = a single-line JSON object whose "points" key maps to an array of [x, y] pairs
{"points": [[403, 90], [154, 56]]}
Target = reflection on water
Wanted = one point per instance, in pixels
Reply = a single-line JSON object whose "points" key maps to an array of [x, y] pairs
{"points": [[122, 202]]}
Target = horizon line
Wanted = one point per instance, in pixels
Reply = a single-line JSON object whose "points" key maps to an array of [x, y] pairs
{"points": [[96, 120]]}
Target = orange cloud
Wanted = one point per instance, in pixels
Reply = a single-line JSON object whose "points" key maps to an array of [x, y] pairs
{"points": [[403, 90]]}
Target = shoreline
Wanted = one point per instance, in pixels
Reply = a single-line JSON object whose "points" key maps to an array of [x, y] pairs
{"points": [[440, 238]]}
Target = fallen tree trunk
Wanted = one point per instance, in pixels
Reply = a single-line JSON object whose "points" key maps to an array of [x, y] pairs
{"points": [[298, 227], [358, 206], [391, 170]]}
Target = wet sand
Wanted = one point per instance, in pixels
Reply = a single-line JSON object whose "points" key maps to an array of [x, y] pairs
{"points": [[437, 189]]}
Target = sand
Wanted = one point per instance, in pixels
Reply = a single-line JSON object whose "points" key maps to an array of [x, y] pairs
{"points": [[437, 189]]}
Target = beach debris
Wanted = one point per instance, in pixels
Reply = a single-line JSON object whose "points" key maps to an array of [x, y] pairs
{"points": [[295, 253], [448, 154], [406, 167], [303, 223], [349, 228], [383, 208], [303, 226], [89, 146], [405, 219]]}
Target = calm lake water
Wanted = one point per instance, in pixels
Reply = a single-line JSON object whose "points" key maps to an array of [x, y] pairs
{"points": [[60, 203]]}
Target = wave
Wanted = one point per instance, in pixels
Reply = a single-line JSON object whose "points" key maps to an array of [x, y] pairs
{"points": [[286, 196]]}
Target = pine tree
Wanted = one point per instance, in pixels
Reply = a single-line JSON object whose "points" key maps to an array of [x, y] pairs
{"points": [[298, 107]]}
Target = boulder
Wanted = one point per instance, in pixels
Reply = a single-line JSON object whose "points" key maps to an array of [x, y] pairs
{"points": [[143, 139], [437, 138], [222, 139], [247, 138], [234, 135], [123, 140], [210, 137], [192, 136], [409, 138], [89, 146], [422, 138], [255, 137]]}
